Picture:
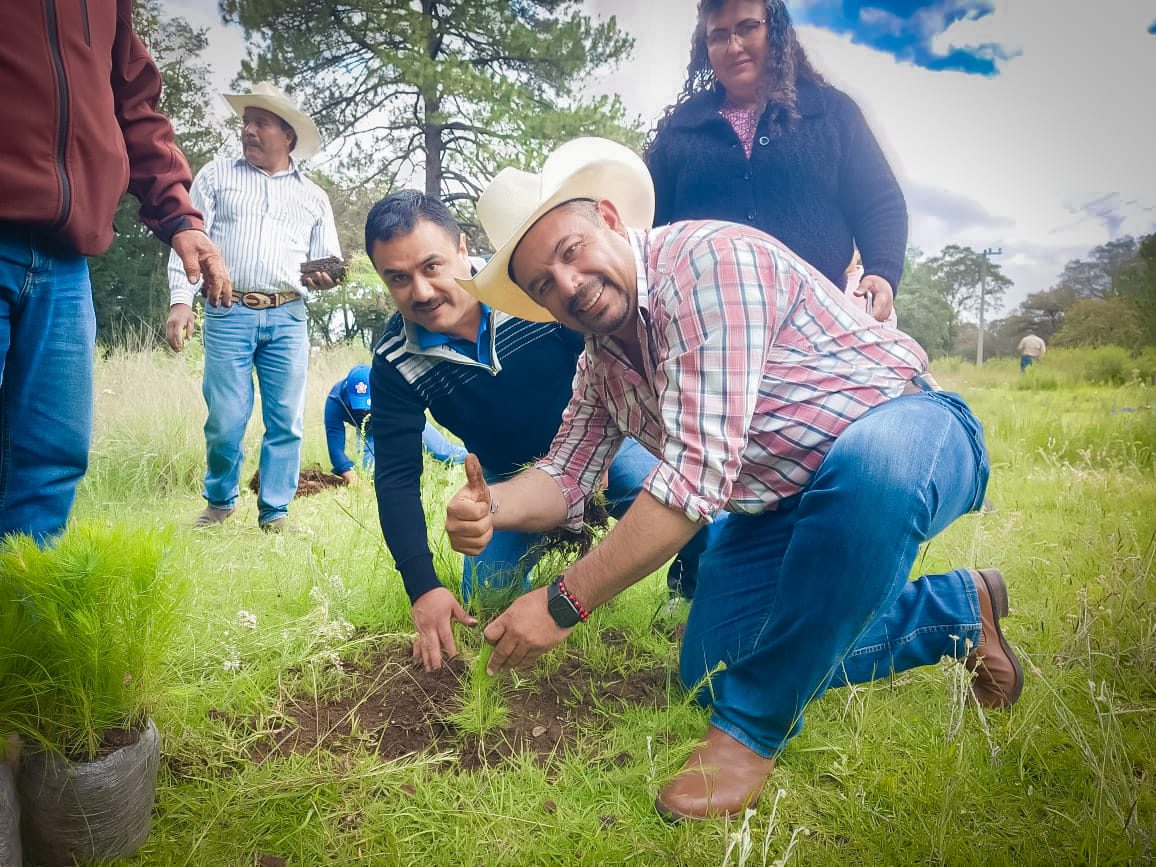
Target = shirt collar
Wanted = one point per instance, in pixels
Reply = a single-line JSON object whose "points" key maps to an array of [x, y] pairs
{"points": [[704, 106], [292, 170], [478, 350], [639, 241]]}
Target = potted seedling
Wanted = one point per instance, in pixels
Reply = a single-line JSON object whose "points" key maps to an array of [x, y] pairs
{"points": [[87, 624]]}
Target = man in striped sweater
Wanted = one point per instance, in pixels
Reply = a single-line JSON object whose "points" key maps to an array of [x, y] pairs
{"points": [[497, 382]]}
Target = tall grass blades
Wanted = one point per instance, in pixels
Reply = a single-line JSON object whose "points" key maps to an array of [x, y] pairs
{"points": [[87, 625]]}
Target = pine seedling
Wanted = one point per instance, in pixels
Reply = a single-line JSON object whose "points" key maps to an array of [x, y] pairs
{"points": [[482, 708]]}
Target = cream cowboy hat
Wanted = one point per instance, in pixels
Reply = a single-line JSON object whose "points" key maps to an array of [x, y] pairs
{"points": [[273, 99], [584, 168]]}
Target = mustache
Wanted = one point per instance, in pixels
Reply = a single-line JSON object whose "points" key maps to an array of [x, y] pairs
{"points": [[583, 293]]}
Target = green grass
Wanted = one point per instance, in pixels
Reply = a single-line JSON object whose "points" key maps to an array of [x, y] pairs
{"points": [[895, 772]]}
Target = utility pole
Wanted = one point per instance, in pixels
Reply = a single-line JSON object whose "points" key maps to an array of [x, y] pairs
{"points": [[987, 254]]}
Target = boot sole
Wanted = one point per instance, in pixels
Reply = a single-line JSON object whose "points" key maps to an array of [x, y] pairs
{"points": [[993, 580], [201, 523], [672, 817]]}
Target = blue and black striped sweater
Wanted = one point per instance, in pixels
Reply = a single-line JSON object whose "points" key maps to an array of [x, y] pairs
{"points": [[506, 413]]}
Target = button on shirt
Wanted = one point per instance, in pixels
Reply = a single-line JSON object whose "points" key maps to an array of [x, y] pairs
{"points": [[266, 226], [753, 363]]}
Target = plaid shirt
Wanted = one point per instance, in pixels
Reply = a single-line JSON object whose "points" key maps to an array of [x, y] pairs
{"points": [[753, 363]]}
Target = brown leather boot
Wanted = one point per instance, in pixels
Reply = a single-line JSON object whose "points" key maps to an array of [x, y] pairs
{"points": [[721, 778], [999, 679], [212, 515]]}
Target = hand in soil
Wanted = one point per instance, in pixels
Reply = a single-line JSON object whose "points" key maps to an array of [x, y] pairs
{"points": [[469, 521], [522, 633], [433, 615]]}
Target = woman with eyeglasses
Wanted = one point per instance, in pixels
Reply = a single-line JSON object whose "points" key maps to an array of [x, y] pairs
{"points": [[758, 137]]}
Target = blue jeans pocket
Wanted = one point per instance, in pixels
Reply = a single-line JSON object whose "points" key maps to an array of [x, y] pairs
{"points": [[295, 310], [220, 310]]}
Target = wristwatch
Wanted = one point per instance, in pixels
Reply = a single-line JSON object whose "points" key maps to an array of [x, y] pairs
{"points": [[563, 606]]}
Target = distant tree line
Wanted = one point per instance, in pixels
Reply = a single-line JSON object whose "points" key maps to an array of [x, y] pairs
{"points": [[1107, 297]]}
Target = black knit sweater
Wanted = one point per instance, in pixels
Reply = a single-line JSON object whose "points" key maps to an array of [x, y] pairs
{"points": [[819, 187]]}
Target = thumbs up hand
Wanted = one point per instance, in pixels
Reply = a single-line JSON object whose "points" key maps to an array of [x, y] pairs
{"points": [[469, 521]]}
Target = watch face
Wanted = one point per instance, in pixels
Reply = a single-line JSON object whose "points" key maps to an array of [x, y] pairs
{"points": [[561, 608]]}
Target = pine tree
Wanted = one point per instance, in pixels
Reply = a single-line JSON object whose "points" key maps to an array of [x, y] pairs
{"points": [[439, 94]]}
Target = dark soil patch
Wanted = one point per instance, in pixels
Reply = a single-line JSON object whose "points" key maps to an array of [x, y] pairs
{"points": [[313, 480], [110, 741], [391, 706]]}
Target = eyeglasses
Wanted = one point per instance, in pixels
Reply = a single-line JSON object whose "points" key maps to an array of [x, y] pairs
{"points": [[744, 30]]}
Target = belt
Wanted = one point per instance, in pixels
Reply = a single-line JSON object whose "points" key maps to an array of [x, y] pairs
{"points": [[920, 383], [261, 300]]}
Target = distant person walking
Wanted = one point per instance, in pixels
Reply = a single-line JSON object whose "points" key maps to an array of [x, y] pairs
{"points": [[268, 219], [80, 125], [348, 404], [1031, 349]]}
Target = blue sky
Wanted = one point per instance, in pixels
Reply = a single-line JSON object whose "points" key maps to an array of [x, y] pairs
{"points": [[1019, 124], [907, 30]]}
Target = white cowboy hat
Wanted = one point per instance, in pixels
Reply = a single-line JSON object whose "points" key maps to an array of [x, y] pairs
{"points": [[273, 99], [583, 168]]}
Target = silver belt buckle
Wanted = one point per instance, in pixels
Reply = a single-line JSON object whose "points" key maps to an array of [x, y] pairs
{"points": [[256, 300]]}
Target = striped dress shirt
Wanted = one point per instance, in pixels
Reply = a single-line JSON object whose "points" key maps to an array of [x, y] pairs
{"points": [[265, 226], [753, 363]]}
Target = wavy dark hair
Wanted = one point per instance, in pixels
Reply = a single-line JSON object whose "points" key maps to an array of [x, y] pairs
{"points": [[786, 63]]}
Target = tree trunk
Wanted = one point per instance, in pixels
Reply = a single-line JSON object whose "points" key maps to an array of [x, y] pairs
{"points": [[431, 106]]}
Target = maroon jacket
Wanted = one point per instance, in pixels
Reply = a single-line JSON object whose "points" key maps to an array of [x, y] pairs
{"points": [[78, 125]]}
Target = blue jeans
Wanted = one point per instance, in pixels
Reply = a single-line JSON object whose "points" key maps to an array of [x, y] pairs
{"points": [[511, 555], [1026, 361], [441, 449], [816, 593], [275, 343], [432, 440], [47, 335]]}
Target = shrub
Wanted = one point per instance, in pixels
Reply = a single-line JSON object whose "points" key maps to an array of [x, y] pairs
{"points": [[85, 626], [1109, 364]]}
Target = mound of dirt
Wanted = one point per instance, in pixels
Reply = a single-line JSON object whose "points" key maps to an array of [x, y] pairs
{"points": [[313, 480], [393, 707]]}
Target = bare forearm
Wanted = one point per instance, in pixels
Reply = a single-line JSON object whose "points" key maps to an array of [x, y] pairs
{"points": [[531, 502], [648, 535]]}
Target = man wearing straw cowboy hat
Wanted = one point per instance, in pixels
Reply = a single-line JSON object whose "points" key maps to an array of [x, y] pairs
{"points": [[763, 392], [268, 219]]}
